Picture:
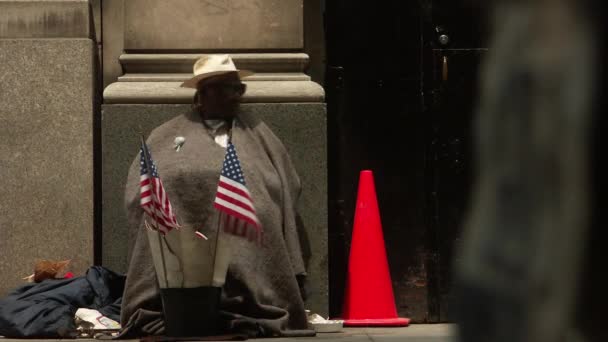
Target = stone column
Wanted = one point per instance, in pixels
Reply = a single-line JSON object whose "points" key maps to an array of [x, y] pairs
{"points": [[47, 108], [161, 40]]}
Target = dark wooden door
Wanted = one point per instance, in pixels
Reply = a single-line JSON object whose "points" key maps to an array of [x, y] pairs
{"points": [[400, 101], [455, 41]]}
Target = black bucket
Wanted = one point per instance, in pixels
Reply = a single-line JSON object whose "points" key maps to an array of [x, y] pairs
{"points": [[191, 312]]}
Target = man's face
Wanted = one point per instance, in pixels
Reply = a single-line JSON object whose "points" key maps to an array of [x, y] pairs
{"points": [[219, 96]]}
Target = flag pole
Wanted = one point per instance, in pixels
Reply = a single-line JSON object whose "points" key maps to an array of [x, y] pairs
{"points": [[221, 214], [149, 171], [217, 239]]}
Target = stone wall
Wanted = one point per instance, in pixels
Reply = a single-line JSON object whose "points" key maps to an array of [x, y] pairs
{"points": [[47, 113], [49, 72], [213, 24]]}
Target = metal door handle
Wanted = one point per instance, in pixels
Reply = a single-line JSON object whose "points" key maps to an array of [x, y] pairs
{"points": [[444, 69]]}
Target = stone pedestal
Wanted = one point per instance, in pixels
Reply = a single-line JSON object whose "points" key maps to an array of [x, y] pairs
{"points": [[288, 102], [160, 43], [47, 82], [301, 127]]}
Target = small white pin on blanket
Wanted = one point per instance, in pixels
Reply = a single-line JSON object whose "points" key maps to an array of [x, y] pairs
{"points": [[179, 142]]}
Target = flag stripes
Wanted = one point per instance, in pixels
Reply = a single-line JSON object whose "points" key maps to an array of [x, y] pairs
{"points": [[153, 198], [233, 200]]}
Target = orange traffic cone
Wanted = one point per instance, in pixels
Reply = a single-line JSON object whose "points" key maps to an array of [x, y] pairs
{"points": [[369, 299]]}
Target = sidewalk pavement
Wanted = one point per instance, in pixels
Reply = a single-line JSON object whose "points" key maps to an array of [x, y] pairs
{"points": [[413, 333]]}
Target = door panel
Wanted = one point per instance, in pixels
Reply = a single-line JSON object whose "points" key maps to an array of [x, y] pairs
{"points": [[450, 173], [390, 110]]}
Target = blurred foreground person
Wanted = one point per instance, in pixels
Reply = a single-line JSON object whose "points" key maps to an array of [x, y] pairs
{"points": [[521, 266]]}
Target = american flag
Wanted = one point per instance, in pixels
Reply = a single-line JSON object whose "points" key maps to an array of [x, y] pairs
{"points": [[153, 198], [233, 200]]}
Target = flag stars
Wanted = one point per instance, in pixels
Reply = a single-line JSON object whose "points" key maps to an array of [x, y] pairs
{"points": [[247, 222], [231, 166]]}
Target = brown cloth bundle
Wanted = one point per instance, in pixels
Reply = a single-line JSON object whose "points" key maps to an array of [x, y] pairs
{"points": [[261, 296]]}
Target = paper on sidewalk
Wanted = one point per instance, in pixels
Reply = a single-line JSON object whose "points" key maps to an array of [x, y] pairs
{"points": [[95, 318]]}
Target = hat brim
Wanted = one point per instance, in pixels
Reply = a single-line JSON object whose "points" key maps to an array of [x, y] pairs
{"points": [[193, 82]]}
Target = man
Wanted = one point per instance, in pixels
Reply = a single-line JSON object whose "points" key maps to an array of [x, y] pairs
{"points": [[261, 294]]}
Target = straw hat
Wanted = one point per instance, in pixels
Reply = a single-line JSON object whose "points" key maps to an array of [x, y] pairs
{"points": [[212, 65]]}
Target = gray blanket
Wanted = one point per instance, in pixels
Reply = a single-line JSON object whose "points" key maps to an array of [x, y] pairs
{"points": [[262, 295]]}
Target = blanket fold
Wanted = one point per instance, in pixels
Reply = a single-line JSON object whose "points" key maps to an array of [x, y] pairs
{"points": [[47, 309]]}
